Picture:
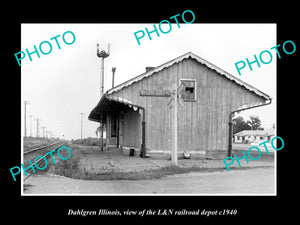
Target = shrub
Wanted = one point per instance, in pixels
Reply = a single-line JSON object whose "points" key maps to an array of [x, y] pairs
{"points": [[89, 141], [70, 166]]}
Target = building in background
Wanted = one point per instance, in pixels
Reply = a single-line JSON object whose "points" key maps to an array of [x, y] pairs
{"points": [[137, 114], [250, 136]]}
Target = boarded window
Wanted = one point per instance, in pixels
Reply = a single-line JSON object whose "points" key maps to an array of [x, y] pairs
{"points": [[188, 92]]}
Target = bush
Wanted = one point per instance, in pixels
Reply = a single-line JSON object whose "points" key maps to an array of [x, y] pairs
{"points": [[88, 141], [70, 166]]}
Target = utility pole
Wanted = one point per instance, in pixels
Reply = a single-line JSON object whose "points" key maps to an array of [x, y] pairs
{"points": [[102, 55], [25, 103], [30, 125], [37, 126], [81, 125], [43, 131], [174, 122], [175, 99]]}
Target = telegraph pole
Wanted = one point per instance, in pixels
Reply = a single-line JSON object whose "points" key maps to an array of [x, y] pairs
{"points": [[102, 55], [81, 125], [37, 126], [25, 103], [175, 99], [43, 131], [30, 125], [174, 130]]}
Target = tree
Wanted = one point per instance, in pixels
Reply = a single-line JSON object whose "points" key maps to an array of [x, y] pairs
{"points": [[99, 129], [254, 122], [239, 124]]}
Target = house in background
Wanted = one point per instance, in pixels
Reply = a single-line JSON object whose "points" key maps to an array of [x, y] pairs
{"points": [[250, 136], [137, 114]]}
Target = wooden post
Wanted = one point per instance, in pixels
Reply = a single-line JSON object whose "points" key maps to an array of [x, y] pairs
{"points": [[230, 135], [174, 155], [143, 145], [102, 133]]}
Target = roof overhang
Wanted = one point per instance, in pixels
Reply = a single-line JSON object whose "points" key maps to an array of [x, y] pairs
{"points": [[111, 105]]}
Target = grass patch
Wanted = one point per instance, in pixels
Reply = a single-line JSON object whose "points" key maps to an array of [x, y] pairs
{"points": [[141, 175], [34, 142], [89, 142], [70, 166], [146, 174]]}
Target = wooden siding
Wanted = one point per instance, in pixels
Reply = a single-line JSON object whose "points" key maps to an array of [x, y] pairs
{"points": [[202, 125], [132, 129]]}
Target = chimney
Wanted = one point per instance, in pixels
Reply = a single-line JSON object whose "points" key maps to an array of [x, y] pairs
{"points": [[148, 68], [113, 76]]}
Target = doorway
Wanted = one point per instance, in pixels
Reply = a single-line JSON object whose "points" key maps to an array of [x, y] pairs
{"points": [[113, 128]]}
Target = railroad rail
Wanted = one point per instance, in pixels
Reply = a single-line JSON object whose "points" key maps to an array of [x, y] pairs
{"points": [[41, 147], [40, 151]]}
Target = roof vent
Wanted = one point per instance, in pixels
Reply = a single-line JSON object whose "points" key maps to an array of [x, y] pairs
{"points": [[148, 68]]}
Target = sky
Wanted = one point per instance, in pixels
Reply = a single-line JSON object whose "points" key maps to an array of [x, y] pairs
{"points": [[66, 82]]}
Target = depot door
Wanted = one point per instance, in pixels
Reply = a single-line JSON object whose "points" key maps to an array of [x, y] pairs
{"points": [[114, 129], [121, 132]]}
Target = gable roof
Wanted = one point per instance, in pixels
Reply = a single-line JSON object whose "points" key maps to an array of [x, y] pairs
{"points": [[265, 133], [181, 58]]}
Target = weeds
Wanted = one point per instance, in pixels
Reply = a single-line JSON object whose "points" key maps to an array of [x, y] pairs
{"points": [[88, 142], [68, 167]]}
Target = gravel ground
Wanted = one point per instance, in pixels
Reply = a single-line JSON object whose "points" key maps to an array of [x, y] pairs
{"points": [[95, 161]]}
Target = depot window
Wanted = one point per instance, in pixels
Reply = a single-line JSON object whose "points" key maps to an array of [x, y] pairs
{"points": [[188, 89]]}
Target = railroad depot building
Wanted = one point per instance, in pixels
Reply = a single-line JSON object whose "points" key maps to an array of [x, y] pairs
{"points": [[137, 115]]}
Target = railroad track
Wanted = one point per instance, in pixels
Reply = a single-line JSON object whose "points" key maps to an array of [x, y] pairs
{"points": [[41, 151]]}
